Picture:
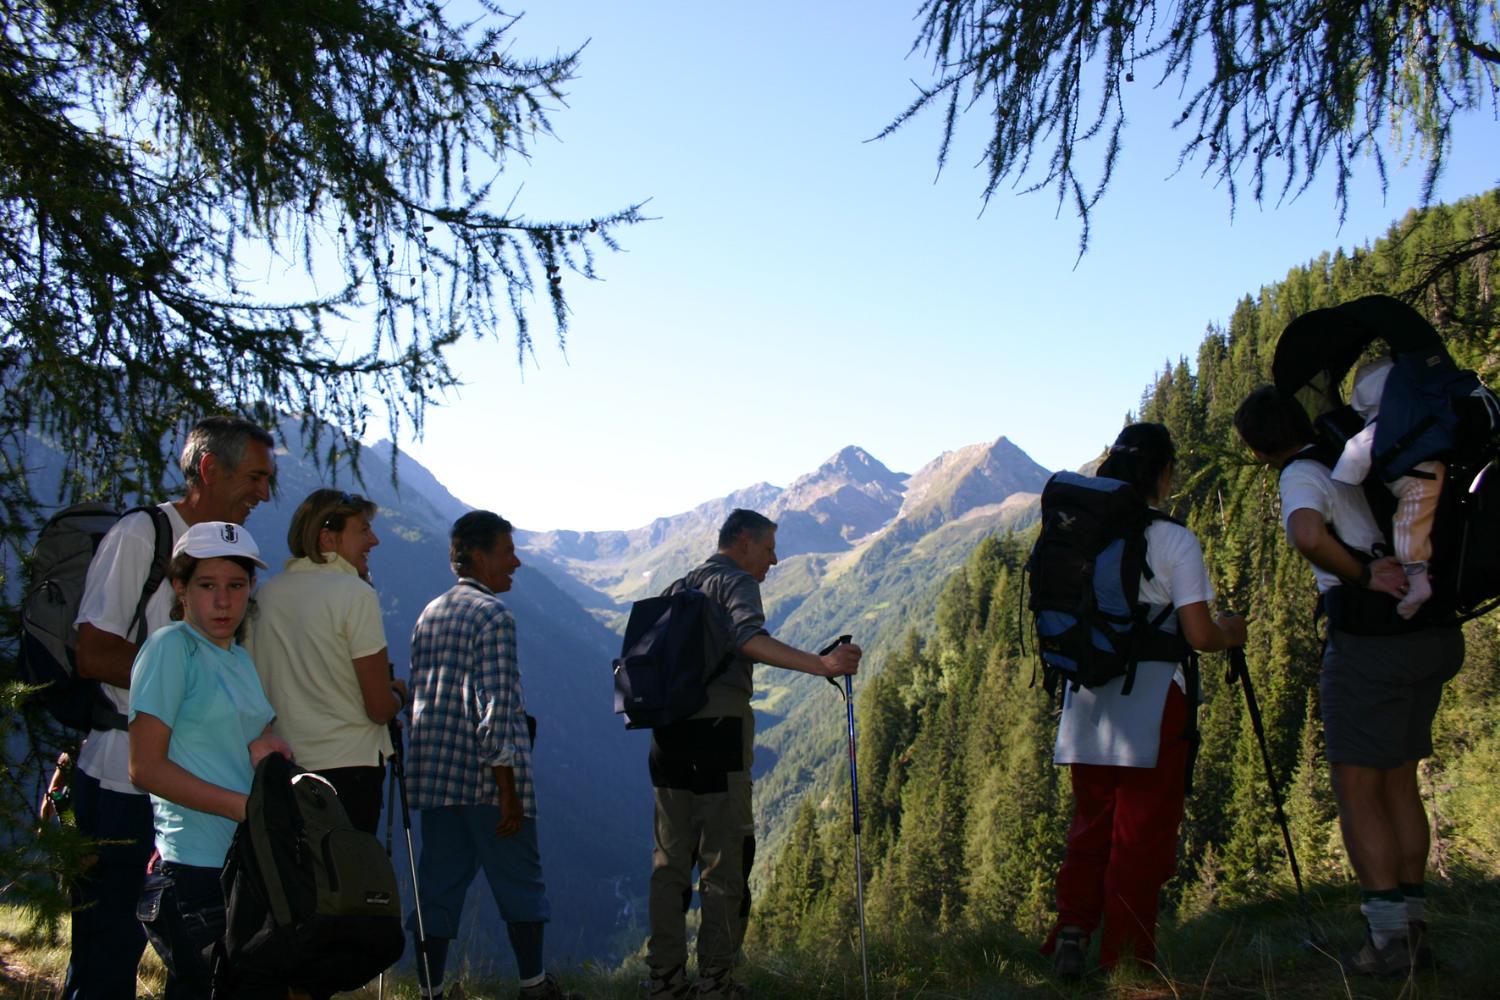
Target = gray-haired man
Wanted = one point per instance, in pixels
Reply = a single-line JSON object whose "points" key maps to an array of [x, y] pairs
{"points": [[228, 467], [700, 769]]}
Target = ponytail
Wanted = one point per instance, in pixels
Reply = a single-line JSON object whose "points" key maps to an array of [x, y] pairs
{"points": [[1139, 456]]}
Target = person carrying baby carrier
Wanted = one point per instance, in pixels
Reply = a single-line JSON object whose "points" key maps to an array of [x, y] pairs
{"points": [[1381, 676], [1419, 436]]}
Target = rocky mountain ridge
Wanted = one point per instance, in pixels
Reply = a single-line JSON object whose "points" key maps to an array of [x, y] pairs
{"points": [[824, 517]]}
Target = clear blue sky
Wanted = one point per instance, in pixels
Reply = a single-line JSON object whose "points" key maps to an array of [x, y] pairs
{"points": [[803, 289]]}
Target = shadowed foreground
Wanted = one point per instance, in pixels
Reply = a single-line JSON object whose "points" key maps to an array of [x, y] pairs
{"points": [[1248, 950]]}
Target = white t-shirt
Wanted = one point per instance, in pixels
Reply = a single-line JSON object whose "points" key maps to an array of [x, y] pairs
{"points": [[1308, 485], [110, 593], [1104, 726], [309, 626]]}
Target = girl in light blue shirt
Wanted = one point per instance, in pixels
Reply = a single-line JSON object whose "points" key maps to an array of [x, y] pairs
{"points": [[199, 722]]}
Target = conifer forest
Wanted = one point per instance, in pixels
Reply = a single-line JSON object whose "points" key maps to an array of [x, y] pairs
{"points": [[964, 813]]}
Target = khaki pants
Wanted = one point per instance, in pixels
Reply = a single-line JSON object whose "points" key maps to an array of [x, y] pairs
{"points": [[707, 824]]}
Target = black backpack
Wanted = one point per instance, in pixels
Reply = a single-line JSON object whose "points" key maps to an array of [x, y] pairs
{"points": [[60, 561], [310, 901], [1430, 409], [675, 646], [1084, 574]]}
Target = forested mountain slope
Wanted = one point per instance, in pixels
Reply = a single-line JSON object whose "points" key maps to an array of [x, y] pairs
{"points": [[964, 813]]}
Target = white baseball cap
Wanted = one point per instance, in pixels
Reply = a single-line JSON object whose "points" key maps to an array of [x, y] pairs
{"points": [[218, 540]]}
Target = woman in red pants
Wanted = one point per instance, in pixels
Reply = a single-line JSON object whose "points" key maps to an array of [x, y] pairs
{"points": [[1127, 752]]}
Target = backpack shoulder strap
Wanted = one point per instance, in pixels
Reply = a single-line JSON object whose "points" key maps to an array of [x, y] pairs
{"points": [[272, 778], [1313, 453], [1156, 642], [690, 582], [1152, 516], [158, 571]]}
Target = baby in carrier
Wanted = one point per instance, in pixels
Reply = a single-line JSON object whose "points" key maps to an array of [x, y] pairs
{"points": [[1416, 492]]}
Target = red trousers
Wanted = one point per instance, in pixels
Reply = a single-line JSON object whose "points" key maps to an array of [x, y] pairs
{"points": [[1122, 845]]}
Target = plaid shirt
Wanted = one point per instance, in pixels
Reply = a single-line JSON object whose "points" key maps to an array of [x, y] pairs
{"points": [[468, 713]]}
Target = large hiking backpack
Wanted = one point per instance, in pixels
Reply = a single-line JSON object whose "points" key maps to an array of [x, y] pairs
{"points": [[1085, 573], [1430, 409], [675, 646], [49, 640], [311, 902]]}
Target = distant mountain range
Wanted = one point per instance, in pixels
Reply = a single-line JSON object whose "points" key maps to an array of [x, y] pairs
{"points": [[863, 550]]}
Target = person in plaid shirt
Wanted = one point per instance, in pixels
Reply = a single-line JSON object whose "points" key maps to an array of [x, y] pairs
{"points": [[469, 760]]}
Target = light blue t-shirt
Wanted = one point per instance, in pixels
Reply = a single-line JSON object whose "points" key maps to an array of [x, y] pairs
{"points": [[212, 701]]}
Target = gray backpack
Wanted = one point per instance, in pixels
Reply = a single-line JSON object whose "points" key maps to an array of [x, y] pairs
{"points": [[49, 641]]}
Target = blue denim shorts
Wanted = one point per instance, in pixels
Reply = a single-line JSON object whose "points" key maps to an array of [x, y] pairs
{"points": [[458, 841]]}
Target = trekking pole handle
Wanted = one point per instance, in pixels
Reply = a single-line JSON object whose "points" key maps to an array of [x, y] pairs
{"points": [[1236, 657], [847, 690], [394, 725], [835, 644]]}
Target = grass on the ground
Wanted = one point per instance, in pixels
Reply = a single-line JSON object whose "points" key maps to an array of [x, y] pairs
{"points": [[1255, 949]]}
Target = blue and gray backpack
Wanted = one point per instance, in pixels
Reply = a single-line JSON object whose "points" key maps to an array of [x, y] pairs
{"points": [[1085, 574]]}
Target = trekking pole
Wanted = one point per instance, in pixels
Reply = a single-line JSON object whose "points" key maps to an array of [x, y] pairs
{"points": [[390, 818], [1238, 668], [859, 871], [398, 773]]}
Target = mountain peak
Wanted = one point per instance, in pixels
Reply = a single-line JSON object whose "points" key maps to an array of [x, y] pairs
{"points": [[847, 497], [853, 464], [973, 476]]}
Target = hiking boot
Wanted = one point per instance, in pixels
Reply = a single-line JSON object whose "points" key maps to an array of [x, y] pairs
{"points": [[672, 986], [719, 985], [1395, 959], [548, 989], [1068, 953], [1421, 951]]}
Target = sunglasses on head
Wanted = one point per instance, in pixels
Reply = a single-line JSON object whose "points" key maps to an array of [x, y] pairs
{"points": [[346, 499]]}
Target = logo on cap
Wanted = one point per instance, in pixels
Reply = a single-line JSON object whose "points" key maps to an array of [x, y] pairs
{"points": [[230, 532]]}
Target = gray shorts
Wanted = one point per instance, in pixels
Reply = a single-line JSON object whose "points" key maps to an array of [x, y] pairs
{"points": [[1380, 693]]}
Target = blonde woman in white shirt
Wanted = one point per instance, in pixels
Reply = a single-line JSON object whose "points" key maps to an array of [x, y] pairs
{"points": [[319, 645]]}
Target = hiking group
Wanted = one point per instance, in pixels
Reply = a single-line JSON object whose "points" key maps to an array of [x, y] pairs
{"points": [[198, 694], [200, 690], [204, 696]]}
